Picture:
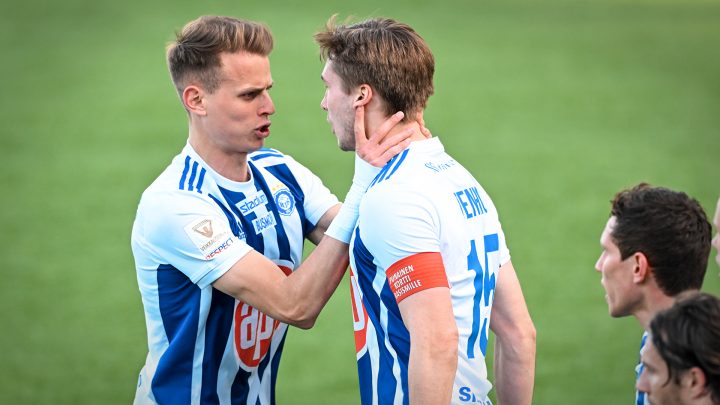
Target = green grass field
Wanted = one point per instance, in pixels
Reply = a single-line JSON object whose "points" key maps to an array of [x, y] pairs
{"points": [[553, 105]]}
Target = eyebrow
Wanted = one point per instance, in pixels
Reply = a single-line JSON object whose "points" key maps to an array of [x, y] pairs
{"points": [[256, 88]]}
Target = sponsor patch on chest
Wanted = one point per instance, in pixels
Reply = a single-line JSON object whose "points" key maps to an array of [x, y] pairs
{"points": [[263, 223]]}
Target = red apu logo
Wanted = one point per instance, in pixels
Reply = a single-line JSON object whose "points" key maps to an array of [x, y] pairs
{"points": [[360, 317], [254, 332]]}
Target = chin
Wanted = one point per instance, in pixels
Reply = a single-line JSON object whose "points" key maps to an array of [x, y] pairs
{"points": [[346, 147]]}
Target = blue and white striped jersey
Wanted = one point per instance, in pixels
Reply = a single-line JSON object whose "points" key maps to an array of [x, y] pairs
{"points": [[423, 203], [640, 397], [192, 226]]}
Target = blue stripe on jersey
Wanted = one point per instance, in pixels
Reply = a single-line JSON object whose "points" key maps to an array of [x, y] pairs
{"points": [[282, 238], [179, 302], [240, 388], [268, 360], [256, 241], [400, 338], [390, 168], [400, 161], [193, 172], [234, 227], [217, 332], [200, 180], [268, 153], [365, 378], [639, 395], [275, 366], [184, 173], [282, 172]]}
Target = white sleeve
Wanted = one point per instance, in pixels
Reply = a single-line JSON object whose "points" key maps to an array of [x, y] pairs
{"points": [[189, 232], [318, 198], [395, 225], [495, 223]]}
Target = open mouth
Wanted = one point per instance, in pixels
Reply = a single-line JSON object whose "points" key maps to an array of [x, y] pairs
{"points": [[263, 130]]}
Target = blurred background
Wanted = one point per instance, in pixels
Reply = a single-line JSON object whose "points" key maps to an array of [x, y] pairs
{"points": [[554, 105]]}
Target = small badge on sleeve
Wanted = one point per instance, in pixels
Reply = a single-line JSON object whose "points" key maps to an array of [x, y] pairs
{"points": [[211, 236]]}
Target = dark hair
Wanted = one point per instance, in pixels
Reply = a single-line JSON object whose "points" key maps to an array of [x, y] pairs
{"points": [[386, 54], [688, 335], [670, 228], [195, 53]]}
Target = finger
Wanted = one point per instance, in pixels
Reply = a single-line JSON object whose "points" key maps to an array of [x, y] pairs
{"points": [[393, 151], [387, 126], [359, 127], [420, 118], [396, 138], [426, 132]]}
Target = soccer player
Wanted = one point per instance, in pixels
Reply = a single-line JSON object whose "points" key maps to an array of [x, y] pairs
{"points": [[431, 272], [681, 360], [654, 246], [218, 237]]}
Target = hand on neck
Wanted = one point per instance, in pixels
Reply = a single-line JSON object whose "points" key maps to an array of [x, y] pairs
{"points": [[375, 117]]}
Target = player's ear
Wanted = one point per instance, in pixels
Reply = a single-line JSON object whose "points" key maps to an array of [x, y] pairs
{"points": [[193, 98], [641, 271], [694, 381], [363, 95]]}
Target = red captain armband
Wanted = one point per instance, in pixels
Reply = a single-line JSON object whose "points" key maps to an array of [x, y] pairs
{"points": [[416, 273]]}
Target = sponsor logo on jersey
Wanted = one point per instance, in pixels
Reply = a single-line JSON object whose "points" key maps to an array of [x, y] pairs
{"points": [[285, 202], [254, 332], [440, 166], [223, 246], [466, 395], [252, 202], [261, 224], [360, 316], [211, 236], [204, 228]]}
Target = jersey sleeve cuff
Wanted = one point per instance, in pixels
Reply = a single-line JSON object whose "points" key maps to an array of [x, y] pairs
{"points": [[221, 268]]}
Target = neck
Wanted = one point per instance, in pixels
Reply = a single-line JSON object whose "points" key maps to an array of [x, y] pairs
{"points": [[231, 165], [653, 303], [374, 119]]}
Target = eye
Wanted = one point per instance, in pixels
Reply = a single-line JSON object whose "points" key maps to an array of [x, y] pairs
{"points": [[249, 96]]}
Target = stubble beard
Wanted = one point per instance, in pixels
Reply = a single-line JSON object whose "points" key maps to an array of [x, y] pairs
{"points": [[346, 140]]}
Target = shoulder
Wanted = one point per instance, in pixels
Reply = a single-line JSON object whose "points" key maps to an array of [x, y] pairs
{"points": [[269, 157]]}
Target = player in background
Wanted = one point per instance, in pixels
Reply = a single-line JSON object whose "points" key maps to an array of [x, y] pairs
{"points": [[654, 246], [681, 360], [431, 272], [218, 236]]}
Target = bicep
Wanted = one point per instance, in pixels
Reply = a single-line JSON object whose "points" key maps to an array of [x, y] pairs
{"points": [[427, 313], [509, 311], [419, 284]]}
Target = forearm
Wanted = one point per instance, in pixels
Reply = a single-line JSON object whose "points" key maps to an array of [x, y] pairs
{"points": [[309, 288], [514, 368], [431, 373], [428, 315]]}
